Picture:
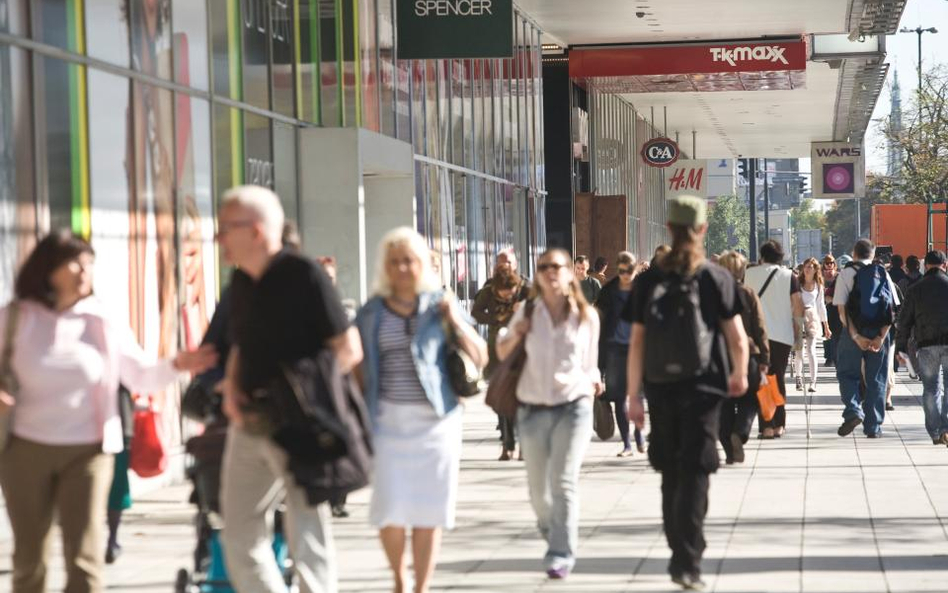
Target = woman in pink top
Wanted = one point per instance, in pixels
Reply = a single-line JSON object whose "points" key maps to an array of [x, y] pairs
{"points": [[68, 358]]}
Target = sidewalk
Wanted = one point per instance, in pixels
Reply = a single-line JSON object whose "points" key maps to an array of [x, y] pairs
{"points": [[826, 515]]}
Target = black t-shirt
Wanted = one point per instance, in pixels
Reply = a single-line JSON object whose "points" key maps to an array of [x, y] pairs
{"points": [[286, 316], [718, 292]]}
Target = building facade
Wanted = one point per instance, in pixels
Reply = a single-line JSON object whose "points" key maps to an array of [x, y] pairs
{"points": [[125, 119]]}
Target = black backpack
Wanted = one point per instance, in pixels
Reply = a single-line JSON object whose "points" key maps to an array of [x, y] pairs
{"points": [[678, 342]]}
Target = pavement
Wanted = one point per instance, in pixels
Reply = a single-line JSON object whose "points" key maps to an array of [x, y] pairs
{"points": [[818, 514]]}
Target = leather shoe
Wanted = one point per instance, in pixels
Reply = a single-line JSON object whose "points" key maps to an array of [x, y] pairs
{"points": [[848, 426]]}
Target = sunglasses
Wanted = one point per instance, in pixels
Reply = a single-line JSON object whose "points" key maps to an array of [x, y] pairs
{"points": [[829, 264], [550, 266], [625, 271]]}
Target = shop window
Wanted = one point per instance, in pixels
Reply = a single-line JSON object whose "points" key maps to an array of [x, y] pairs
{"points": [[368, 46], [18, 224], [330, 49], [59, 23], [254, 26], [258, 158], [282, 35], [14, 17], [107, 31], [307, 60], [190, 43], [228, 147], [285, 168], [388, 74], [226, 49], [150, 25]]}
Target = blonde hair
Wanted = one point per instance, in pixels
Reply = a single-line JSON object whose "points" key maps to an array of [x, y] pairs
{"points": [[409, 239], [735, 263], [263, 203], [575, 296]]}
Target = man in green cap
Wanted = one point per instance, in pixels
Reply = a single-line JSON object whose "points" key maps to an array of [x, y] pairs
{"points": [[689, 350]]}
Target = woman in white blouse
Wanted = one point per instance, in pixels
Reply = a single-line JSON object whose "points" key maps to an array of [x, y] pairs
{"points": [[68, 358], [815, 321], [559, 380]]}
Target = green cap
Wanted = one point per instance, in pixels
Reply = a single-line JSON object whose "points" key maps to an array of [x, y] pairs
{"points": [[687, 211]]}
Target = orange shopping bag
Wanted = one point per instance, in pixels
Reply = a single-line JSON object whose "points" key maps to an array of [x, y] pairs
{"points": [[769, 397]]}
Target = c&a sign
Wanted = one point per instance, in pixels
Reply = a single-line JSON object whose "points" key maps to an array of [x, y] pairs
{"points": [[660, 152], [447, 29]]}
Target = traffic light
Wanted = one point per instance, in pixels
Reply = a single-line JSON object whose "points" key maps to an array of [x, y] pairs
{"points": [[804, 181], [742, 168]]}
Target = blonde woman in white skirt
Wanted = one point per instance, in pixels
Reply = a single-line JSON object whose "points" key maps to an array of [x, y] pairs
{"points": [[815, 322], [415, 414]]}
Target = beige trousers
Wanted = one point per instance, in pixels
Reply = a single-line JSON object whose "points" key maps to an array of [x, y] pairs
{"points": [[70, 481]]}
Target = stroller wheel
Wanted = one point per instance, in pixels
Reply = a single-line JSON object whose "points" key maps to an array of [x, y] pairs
{"points": [[182, 582]]}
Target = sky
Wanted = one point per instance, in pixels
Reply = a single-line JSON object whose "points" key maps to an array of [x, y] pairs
{"points": [[902, 50]]}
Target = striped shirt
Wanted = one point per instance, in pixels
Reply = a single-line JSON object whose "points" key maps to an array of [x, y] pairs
{"points": [[398, 380]]}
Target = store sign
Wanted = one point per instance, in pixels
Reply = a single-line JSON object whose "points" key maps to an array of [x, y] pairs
{"points": [[697, 58], [839, 170], [687, 178], [447, 29], [660, 152]]}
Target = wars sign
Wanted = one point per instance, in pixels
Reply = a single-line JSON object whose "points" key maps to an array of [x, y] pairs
{"points": [[839, 170], [687, 178]]}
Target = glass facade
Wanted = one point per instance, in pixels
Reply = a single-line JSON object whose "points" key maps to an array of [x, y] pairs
{"points": [[157, 106], [617, 133]]}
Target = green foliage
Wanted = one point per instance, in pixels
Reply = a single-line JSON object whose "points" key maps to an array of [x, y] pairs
{"points": [[841, 219], [728, 225], [806, 217], [923, 141]]}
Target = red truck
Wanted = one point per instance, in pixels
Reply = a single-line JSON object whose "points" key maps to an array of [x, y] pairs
{"points": [[903, 227]]}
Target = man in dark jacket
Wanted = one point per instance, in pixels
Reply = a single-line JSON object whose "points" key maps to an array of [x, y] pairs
{"points": [[925, 312]]}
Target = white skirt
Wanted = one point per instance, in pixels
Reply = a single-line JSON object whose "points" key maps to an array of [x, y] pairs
{"points": [[417, 460]]}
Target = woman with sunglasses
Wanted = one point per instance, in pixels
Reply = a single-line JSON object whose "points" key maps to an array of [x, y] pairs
{"points": [[559, 380], [614, 346], [830, 270]]}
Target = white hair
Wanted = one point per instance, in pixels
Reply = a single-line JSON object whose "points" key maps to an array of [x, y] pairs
{"points": [[409, 239], [263, 203]]}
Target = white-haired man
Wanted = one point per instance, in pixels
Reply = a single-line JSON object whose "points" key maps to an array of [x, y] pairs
{"points": [[284, 308]]}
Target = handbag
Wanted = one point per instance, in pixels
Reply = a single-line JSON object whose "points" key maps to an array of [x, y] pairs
{"points": [[8, 380], [466, 379], [502, 390], [149, 456], [604, 423]]}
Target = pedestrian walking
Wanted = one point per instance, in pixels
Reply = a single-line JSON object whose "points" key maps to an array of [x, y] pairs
{"points": [[120, 493], [284, 309], [494, 306], [407, 328], [814, 324], [779, 292], [591, 286], [913, 275], [925, 316], [555, 390], [65, 355], [737, 414], [683, 312], [614, 347], [830, 271], [897, 269], [599, 270], [866, 299]]}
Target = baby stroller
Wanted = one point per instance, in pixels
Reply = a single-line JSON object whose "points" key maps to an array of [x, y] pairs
{"points": [[209, 574]]}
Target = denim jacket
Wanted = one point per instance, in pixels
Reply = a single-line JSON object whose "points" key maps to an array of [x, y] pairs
{"points": [[428, 349]]}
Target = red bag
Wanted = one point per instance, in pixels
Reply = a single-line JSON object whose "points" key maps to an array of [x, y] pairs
{"points": [[149, 456]]}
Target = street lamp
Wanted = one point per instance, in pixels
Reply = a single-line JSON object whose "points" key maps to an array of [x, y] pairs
{"points": [[919, 30]]}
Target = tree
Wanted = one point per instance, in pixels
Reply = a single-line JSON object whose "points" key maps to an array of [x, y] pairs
{"points": [[805, 217], [728, 225], [840, 220], [923, 142]]}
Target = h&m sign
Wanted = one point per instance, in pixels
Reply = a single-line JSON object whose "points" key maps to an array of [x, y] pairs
{"points": [[448, 29], [687, 178]]}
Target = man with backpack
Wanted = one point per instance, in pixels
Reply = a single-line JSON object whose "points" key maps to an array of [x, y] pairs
{"points": [[688, 347], [866, 298]]}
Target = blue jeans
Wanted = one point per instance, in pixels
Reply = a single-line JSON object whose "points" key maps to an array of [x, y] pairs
{"points": [[554, 441], [933, 370], [849, 372]]}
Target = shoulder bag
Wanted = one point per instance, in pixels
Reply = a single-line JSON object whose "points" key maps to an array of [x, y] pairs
{"points": [[8, 380], [763, 289], [502, 390], [466, 379]]}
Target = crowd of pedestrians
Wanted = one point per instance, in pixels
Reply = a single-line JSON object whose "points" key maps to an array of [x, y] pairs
{"points": [[691, 341]]}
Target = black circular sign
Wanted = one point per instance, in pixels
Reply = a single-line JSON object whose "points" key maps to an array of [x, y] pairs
{"points": [[660, 152]]}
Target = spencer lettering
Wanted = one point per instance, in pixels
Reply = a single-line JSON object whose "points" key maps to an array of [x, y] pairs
{"points": [[453, 7]]}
